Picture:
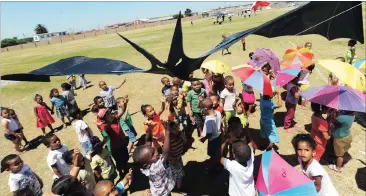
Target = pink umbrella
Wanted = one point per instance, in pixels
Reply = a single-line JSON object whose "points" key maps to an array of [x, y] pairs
{"points": [[262, 56], [286, 75], [276, 177]]}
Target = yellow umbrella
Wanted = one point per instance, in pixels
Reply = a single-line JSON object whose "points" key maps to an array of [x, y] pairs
{"points": [[216, 66], [345, 72]]}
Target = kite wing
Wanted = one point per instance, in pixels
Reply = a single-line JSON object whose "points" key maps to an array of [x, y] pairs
{"points": [[76, 65]]}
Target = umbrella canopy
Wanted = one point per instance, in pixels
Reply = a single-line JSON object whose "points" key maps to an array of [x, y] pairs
{"points": [[360, 64], [277, 178], [287, 74], [216, 66], [298, 55], [348, 74], [253, 77], [262, 56], [337, 97]]}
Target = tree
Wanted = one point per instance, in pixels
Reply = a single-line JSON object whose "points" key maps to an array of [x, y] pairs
{"points": [[175, 16], [188, 12], [40, 29]]}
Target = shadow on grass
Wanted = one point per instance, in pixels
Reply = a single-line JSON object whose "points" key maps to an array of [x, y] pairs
{"points": [[361, 177], [279, 118], [34, 143]]}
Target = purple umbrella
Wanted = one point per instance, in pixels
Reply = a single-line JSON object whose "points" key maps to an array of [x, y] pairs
{"points": [[337, 97], [262, 56]]}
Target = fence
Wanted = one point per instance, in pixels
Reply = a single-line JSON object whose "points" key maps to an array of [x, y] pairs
{"points": [[66, 38]]}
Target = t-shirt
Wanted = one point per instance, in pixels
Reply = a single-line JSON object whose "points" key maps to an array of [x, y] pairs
{"points": [[304, 77], [24, 178], [58, 101], [69, 96], [241, 181], [193, 97], [54, 158], [160, 178], [346, 122], [126, 124], [243, 119], [158, 130], [81, 128], [12, 124], [213, 126], [165, 91], [290, 97], [104, 161], [108, 96], [116, 135], [229, 99], [315, 169]]}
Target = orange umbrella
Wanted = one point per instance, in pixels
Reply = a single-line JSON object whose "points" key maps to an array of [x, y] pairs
{"points": [[298, 55]]}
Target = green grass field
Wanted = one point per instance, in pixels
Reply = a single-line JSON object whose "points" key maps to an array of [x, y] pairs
{"points": [[145, 88]]}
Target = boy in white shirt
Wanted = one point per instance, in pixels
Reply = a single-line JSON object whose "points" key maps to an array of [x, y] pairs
{"points": [[212, 132], [83, 131], [304, 146], [241, 181], [54, 158], [228, 99]]}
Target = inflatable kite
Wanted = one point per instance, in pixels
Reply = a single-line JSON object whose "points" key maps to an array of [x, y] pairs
{"points": [[331, 20]]}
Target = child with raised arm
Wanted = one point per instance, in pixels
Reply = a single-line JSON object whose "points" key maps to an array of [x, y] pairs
{"points": [[107, 187], [153, 125], [22, 178], [155, 166], [241, 180], [305, 146], [107, 94], [41, 111], [54, 159]]}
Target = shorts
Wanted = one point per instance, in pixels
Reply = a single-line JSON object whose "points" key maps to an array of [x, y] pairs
{"points": [[86, 146], [131, 133], [198, 118], [62, 112], [10, 136], [213, 147], [342, 145], [228, 115], [177, 170]]}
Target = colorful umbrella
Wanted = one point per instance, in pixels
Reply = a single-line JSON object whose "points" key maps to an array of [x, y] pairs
{"points": [[287, 74], [216, 66], [253, 77], [360, 64], [277, 178], [298, 55], [346, 73], [337, 97], [262, 56]]}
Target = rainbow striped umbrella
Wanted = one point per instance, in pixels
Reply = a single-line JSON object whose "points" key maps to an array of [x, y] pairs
{"points": [[278, 178], [298, 55], [287, 74], [360, 64]]}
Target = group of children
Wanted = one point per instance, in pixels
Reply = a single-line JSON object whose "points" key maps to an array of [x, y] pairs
{"points": [[213, 107]]}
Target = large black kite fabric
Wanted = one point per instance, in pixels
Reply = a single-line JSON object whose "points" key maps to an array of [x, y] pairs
{"points": [[331, 20]]}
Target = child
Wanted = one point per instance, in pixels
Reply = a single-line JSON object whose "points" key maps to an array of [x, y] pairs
{"points": [[332, 79], [80, 169], [107, 94], [12, 131], [83, 82], [107, 187], [126, 122], [218, 83], [83, 131], [228, 98], [305, 146], [308, 45], [60, 103], [21, 177], [207, 82], [241, 180], [68, 186], [165, 91], [101, 161], [153, 125], [177, 149], [227, 49], [193, 100], [14, 116], [72, 81], [43, 117], [319, 129], [115, 134], [236, 131], [155, 166], [175, 107], [267, 124], [292, 99], [240, 112], [212, 132], [304, 82], [71, 104], [351, 52], [216, 104], [54, 158], [250, 61], [342, 137], [248, 98], [243, 43]]}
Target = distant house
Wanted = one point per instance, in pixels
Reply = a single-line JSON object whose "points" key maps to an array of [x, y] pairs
{"points": [[47, 36]]}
